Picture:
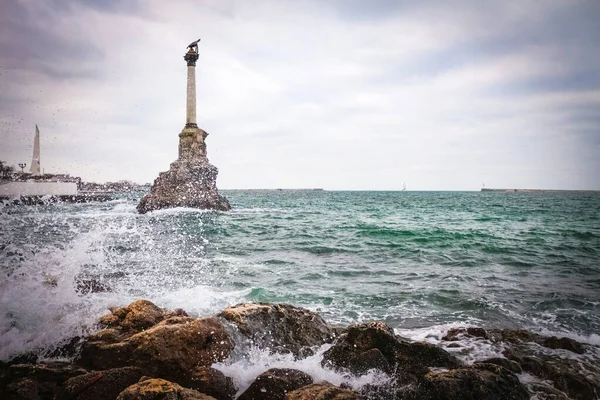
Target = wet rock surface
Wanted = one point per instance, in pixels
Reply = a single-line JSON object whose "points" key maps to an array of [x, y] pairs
{"points": [[99, 385], [137, 316], [146, 352], [280, 327], [374, 345], [562, 366], [322, 391], [35, 381], [188, 183], [160, 389], [169, 349], [210, 381], [275, 384], [481, 382]]}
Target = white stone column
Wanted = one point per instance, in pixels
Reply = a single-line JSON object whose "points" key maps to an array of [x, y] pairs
{"points": [[191, 57], [191, 96]]}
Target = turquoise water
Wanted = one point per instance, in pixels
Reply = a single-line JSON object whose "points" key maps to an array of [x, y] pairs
{"points": [[414, 259]]}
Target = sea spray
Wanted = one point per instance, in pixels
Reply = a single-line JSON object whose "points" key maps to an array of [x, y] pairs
{"points": [[249, 362]]}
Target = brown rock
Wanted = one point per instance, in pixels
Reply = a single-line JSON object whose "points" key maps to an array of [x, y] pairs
{"points": [[519, 335], [477, 332], [169, 349], [322, 391], [484, 382], [137, 316], [188, 183], [576, 376], [100, 385], [563, 343], [374, 345], [510, 365], [275, 383], [160, 389], [454, 334], [281, 327], [23, 389], [36, 381], [211, 382]]}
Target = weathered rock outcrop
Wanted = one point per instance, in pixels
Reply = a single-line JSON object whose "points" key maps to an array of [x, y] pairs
{"points": [[209, 381], [560, 362], [280, 327], [178, 352], [139, 335], [275, 384], [100, 385], [160, 389], [374, 345], [137, 316], [481, 382], [35, 381], [322, 391], [188, 183]]}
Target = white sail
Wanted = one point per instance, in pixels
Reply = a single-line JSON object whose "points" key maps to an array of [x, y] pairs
{"points": [[35, 161]]}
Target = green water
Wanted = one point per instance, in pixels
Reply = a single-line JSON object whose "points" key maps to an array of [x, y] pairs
{"points": [[419, 258]]}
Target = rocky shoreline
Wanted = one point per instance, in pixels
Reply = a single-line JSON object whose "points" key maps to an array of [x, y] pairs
{"points": [[143, 352]]}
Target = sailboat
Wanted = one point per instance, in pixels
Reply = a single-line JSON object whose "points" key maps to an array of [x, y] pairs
{"points": [[403, 186]]}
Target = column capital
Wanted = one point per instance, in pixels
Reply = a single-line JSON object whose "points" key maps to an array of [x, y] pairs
{"points": [[191, 57]]}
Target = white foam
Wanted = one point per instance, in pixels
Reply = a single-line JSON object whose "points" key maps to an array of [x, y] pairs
{"points": [[244, 370], [471, 348], [39, 304], [200, 300]]}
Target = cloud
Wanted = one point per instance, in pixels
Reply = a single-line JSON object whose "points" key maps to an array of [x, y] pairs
{"points": [[340, 95]]}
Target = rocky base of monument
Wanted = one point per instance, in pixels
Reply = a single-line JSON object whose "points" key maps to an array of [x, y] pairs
{"points": [[144, 352], [185, 184]]}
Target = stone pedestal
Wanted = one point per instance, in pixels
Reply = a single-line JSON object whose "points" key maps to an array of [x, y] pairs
{"points": [[185, 184], [191, 181]]}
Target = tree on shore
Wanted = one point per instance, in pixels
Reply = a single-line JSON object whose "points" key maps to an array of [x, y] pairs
{"points": [[6, 170]]}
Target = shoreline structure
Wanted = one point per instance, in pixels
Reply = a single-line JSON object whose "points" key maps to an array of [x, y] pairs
{"points": [[539, 190]]}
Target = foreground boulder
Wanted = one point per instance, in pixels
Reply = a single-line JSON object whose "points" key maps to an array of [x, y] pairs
{"points": [[562, 364], [160, 389], [275, 383], [322, 391], [280, 327], [375, 346], [482, 382], [100, 385], [36, 381], [136, 317], [579, 378], [169, 349], [209, 381]]}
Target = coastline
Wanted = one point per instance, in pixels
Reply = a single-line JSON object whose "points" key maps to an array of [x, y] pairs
{"points": [[538, 190], [144, 352]]}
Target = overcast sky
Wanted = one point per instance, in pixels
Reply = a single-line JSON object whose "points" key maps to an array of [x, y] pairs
{"points": [[341, 94]]}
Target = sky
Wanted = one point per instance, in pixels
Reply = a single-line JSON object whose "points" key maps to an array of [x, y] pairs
{"points": [[334, 94]]}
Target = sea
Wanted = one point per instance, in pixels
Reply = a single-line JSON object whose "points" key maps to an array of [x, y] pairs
{"points": [[423, 262]]}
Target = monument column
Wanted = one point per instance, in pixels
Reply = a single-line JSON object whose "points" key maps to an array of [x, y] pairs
{"points": [[191, 180], [191, 57]]}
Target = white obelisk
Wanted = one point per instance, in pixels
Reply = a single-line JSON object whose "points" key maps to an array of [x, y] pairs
{"points": [[35, 161]]}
